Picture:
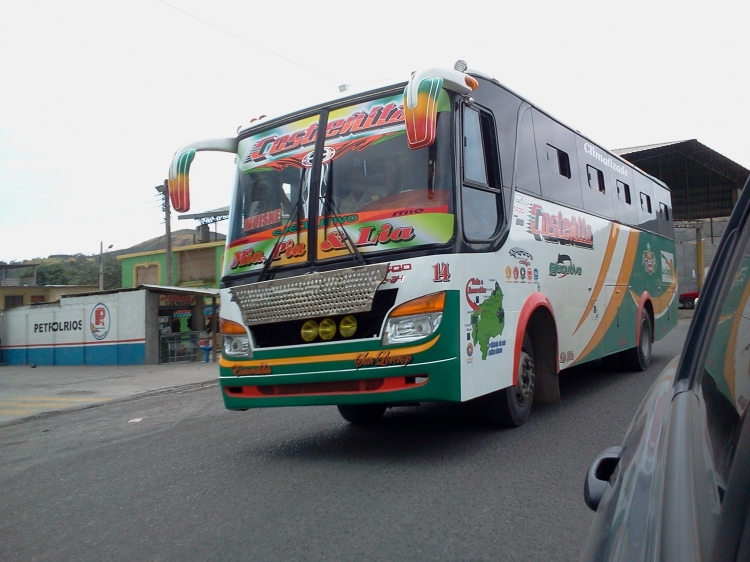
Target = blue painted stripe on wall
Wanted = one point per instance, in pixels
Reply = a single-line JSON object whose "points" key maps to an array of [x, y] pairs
{"points": [[116, 354]]}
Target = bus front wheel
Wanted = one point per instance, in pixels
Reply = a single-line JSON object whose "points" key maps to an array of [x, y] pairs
{"points": [[511, 407], [362, 414]]}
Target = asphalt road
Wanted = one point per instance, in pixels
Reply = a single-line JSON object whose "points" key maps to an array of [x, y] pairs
{"points": [[176, 477]]}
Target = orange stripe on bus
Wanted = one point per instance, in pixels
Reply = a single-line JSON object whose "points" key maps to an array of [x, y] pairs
{"points": [[321, 358], [608, 254], [614, 303], [729, 367]]}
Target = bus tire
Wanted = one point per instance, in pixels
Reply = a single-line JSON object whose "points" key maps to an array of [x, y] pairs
{"points": [[511, 407], [362, 414], [638, 358]]}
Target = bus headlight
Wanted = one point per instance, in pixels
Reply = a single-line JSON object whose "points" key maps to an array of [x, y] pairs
{"points": [[236, 346], [410, 328], [414, 320], [234, 339]]}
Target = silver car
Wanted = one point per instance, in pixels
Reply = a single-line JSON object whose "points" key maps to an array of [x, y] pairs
{"points": [[678, 488]]}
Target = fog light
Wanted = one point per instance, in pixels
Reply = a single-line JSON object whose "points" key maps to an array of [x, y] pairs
{"points": [[309, 330], [327, 329], [348, 326]]}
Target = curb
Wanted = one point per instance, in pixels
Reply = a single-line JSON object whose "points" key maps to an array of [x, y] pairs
{"points": [[191, 387]]}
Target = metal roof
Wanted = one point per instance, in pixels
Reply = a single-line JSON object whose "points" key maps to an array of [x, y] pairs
{"points": [[704, 183], [208, 217], [152, 288]]}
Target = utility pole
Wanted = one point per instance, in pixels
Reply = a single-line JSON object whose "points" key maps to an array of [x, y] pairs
{"points": [[164, 190], [101, 264]]}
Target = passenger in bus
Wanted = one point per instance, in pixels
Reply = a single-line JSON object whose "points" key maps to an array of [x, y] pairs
{"points": [[360, 190]]}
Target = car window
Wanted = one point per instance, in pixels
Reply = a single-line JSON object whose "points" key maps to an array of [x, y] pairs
{"points": [[725, 383]]}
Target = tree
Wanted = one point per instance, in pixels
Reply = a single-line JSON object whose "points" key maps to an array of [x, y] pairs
{"points": [[52, 274]]}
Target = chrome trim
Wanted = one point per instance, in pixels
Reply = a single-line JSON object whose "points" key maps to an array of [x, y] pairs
{"points": [[344, 291]]}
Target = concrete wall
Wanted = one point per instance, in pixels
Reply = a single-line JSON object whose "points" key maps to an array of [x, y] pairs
{"points": [[686, 251], [102, 329]]}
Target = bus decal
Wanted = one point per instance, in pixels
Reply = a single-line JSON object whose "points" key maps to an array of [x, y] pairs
{"points": [[382, 358], [321, 358], [610, 311], [609, 252], [378, 230], [667, 267], [487, 317], [649, 260], [557, 229], [564, 267]]}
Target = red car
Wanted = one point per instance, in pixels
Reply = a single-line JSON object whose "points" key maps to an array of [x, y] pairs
{"points": [[688, 300]]}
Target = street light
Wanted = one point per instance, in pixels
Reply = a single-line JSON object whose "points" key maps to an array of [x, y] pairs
{"points": [[101, 264], [164, 190]]}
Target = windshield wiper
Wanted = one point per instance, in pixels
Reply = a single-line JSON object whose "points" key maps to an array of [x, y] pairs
{"points": [[296, 214], [330, 206]]}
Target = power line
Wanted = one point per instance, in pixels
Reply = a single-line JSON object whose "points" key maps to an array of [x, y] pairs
{"points": [[247, 41]]}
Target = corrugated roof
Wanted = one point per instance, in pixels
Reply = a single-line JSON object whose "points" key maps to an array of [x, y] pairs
{"points": [[622, 151], [703, 182]]}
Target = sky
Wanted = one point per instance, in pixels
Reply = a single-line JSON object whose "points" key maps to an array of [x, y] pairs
{"points": [[96, 96]]}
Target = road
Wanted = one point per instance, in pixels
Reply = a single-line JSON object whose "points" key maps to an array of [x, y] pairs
{"points": [[176, 477]]}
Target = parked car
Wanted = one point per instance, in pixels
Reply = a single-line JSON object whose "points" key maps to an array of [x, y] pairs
{"points": [[678, 487], [688, 299]]}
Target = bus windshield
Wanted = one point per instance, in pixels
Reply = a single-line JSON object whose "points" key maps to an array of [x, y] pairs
{"points": [[374, 190]]}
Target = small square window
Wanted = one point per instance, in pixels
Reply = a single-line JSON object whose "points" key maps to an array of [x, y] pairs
{"points": [[646, 202], [563, 161], [623, 192], [596, 179], [664, 211]]}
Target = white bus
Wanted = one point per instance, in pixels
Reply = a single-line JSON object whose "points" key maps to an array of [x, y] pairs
{"points": [[439, 240]]}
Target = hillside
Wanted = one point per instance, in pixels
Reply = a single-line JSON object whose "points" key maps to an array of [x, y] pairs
{"points": [[184, 237]]}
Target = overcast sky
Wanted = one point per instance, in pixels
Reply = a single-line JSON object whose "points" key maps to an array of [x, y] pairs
{"points": [[96, 96]]}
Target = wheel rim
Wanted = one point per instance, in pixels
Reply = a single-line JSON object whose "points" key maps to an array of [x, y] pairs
{"points": [[646, 339], [525, 385]]}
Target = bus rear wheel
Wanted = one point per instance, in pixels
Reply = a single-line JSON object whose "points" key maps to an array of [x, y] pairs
{"points": [[511, 407], [362, 414], [639, 357]]}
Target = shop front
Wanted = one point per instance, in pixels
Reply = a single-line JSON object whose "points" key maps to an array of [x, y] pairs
{"points": [[147, 325]]}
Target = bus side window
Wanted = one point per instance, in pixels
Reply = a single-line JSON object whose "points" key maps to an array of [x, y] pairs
{"points": [[623, 192], [596, 178], [527, 170], [646, 203], [663, 212], [559, 172], [475, 169], [563, 160], [481, 194]]}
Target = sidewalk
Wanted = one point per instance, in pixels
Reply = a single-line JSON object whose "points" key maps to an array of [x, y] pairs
{"points": [[27, 391]]}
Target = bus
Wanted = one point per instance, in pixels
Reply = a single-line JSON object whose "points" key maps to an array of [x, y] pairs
{"points": [[438, 240]]}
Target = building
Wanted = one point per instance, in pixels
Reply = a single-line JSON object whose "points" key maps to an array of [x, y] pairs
{"points": [[17, 291], [197, 265], [147, 325]]}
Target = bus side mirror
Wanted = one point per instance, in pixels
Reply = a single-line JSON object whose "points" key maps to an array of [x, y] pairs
{"points": [[179, 171], [421, 102], [179, 180]]}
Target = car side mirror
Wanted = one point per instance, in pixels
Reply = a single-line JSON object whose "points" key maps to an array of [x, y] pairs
{"points": [[598, 476]]}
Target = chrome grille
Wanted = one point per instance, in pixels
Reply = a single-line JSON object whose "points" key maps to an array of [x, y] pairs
{"points": [[344, 291]]}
